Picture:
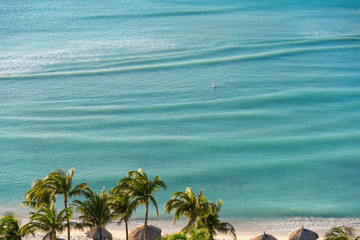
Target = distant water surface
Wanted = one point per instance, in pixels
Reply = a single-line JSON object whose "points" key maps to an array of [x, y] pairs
{"points": [[111, 86]]}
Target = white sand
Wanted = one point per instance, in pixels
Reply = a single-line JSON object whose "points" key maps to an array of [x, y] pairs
{"points": [[244, 229]]}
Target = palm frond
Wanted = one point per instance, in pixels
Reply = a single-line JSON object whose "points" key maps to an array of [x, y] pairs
{"points": [[78, 190], [340, 233], [95, 211]]}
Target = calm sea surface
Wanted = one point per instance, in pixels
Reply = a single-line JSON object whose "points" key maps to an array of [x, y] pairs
{"points": [[111, 86]]}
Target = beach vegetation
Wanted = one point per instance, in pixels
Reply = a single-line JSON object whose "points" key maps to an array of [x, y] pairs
{"points": [[199, 234], [211, 222], [341, 233], [177, 236], [98, 210], [10, 228], [201, 213], [39, 195], [140, 190], [95, 211], [186, 204], [120, 204], [193, 234], [50, 222], [60, 183]]}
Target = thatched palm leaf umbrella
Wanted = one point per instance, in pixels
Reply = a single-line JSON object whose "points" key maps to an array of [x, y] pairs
{"points": [[264, 237], [94, 234], [303, 234], [152, 233]]}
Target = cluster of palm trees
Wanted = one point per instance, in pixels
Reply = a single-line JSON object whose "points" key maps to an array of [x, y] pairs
{"points": [[97, 210], [201, 213]]}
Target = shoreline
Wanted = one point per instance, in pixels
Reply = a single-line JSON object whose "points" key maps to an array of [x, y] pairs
{"points": [[245, 229]]}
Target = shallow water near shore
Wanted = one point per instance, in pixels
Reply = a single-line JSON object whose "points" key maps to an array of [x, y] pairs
{"points": [[110, 87]]}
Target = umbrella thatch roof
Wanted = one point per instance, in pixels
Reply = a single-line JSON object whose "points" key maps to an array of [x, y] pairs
{"points": [[264, 237], [152, 233], [94, 234], [303, 234]]}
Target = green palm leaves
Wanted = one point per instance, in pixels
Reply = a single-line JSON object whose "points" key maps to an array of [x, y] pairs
{"points": [[211, 222], [39, 195], [95, 210], [49, 221], [120, 203], [61, 183], [341, 233], [201, 213], [10, 228], [43, 191], [185, 204], [140, 190]]}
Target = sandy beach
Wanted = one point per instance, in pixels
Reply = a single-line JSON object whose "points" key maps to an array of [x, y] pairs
{"points": [[245, 229]]}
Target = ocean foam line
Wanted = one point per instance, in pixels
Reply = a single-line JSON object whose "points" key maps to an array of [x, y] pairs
{"points": [[203, 140], [66, 65], [77, 104], [190, 63], [287, 97], [201, 53], [105, 119], [108, 61], [291, 42], [116, 109], [287, 145], [163, 14], [284, 97], [273, 124]]}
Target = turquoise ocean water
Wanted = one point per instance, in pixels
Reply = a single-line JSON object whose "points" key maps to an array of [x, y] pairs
{"points": [[111, 86]]}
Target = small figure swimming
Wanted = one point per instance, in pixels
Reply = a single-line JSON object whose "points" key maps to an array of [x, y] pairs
{"points": [[213, 85]]}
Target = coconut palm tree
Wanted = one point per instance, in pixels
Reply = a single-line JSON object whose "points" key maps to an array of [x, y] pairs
{"points": [[211, 222], [95, 210], [341, 233], [61, 183], [49, 221], [140, 190], [10, 228], [38, 196], [121, 205], [186, 204]]}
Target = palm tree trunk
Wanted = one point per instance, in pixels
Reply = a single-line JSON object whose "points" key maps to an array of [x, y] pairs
{"points": [[187, 227], [100, 234], [146, 218], [127, 231], [190, 223], [68, 221], [68, 228]]}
